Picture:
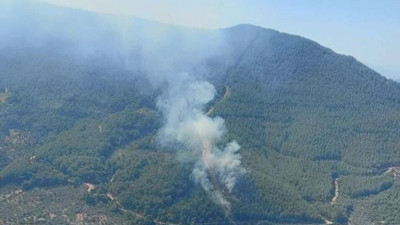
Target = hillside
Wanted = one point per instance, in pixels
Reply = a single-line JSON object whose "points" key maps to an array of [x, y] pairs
{"points": [[81, 123]]}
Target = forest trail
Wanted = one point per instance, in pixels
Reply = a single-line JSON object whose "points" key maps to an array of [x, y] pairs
{"points": [[227, 94], [209, 111], [138, 215], [334, 199], [207, 155]]}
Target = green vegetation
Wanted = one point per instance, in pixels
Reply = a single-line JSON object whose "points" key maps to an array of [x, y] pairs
{"points": [[357, 186], [303, 115]]}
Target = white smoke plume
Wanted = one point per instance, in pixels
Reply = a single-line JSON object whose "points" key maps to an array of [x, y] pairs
{"points": [[186, 122], [173, 59]]}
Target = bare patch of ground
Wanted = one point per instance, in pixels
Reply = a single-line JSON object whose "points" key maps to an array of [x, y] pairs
{"points": [[334, 199], [227, 92], [89, 187], [328, 221], [4, 96], [395, 171]]}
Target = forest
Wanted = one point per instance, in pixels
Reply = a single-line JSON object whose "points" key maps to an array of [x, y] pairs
{"points": [[318, 132]]}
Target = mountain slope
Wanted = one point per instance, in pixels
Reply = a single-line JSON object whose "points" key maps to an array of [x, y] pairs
{"points": [[81, 109]]}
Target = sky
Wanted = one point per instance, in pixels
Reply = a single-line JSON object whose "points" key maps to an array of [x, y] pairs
{"points": [[369, 30]]}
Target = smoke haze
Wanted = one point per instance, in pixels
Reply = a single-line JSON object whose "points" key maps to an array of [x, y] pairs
{"points": [[172, 59], [185, 94]]}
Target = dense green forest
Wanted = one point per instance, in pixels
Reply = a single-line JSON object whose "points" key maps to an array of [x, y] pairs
{"points": [[78, 131]]}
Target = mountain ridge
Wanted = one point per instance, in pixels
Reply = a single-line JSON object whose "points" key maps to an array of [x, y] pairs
{"points": [[309, 120]]}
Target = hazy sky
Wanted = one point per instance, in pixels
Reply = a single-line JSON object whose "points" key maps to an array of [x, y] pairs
{"points": [[366, 29]]}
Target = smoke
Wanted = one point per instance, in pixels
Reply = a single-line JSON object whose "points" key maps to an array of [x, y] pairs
{"points": [[216, 169], [174, 60], [224, 166]]}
